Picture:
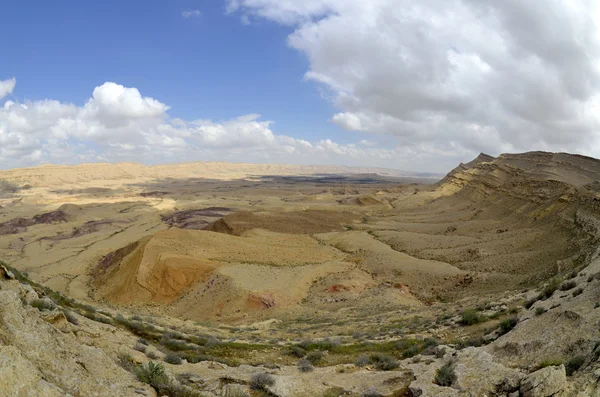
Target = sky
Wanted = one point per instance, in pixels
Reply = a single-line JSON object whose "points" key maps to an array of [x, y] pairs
{"points": [[412, 85]]}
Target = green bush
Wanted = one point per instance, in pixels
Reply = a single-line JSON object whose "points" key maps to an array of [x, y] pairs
{"points": [[384, 362], [471, 317], [577, 292], [550, 362], [43, 304], [549, 289], [445, 375], [315, 357], [152, 374], [296, 351], [508, 324], [574, 364]]}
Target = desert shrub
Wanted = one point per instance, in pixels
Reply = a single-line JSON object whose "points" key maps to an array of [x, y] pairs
{"points": [[173, 344], [445, 375], [429, 345], [71, 317], [372, 392], [305, 366], [567, 285], [549, 289], [172, 358], [211, 342], [362, 360], [101, 319], [411, 351], [473, 342], [596, 305], [539, 311], [296, 351], [471, 317], [574, 364], [142, 341], [508, 324], [139, 347], [384, 362], [152, 374], [43, 304], [430, 342], [151, 355], [573, 274], [578, 292], [550, 362], [528, 303], [315, 357], [126, 362], [261, 381]]}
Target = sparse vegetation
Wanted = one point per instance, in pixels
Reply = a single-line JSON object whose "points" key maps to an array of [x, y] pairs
{"points": [[508, 324], [71, 317], [551, 362], [261, 381], [139, 347], [472, 317], [296, 351], [383, 362], [305, 366], [363, 360], [445, 375], [43, 304], [574, 364], [567, 285], [539, 311], [315, 357], [172, 358], [577, 292], [549, 289]]}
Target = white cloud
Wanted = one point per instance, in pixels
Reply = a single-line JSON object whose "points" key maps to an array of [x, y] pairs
{"points": [[191, 13], [7, 87], [453, 77], [120, 124]]}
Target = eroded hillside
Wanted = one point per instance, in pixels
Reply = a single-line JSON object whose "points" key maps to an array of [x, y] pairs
{"points": [[350, 281]]}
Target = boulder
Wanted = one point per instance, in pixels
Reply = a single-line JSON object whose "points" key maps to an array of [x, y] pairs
{"points": [[545, 382], [477, 372]]}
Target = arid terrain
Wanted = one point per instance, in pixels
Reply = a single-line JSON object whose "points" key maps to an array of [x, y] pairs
{"points": [[322, 281]]}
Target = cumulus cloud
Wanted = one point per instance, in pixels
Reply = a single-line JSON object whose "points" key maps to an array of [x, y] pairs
{"points": [[7, 87], [191, 13], [453, 76], [120, 124]]}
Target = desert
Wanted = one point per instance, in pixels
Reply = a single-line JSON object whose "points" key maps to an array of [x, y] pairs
{"points": [[318, 283]]}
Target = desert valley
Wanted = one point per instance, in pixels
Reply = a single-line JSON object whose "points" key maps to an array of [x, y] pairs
{"points": [[217, 279]]}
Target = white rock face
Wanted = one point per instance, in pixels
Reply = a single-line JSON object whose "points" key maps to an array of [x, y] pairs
{"points": [[36, 359], [545, 382]]}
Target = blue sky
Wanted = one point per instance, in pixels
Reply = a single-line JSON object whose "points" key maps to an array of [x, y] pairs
{"points": [[390, 83], [207, 66]]}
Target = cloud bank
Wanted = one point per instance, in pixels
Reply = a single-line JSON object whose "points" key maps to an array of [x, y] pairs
{"points": [[452, 76], [120, 124]]}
